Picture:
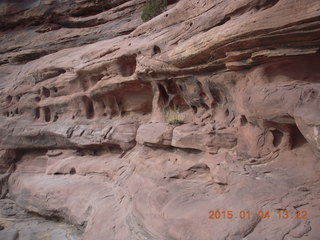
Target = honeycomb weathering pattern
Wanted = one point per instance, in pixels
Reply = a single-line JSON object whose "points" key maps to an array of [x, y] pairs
{"points": [[84, 136]]}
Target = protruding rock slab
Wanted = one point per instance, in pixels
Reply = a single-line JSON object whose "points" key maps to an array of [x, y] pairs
{"points": [[199, 138], [155, 134], [123, 135]]}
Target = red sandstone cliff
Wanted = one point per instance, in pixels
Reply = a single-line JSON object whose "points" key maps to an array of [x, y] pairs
{"points": [[85, 87]]}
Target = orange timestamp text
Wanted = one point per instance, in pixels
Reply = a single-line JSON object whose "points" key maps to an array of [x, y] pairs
{"points": [[247, 214]]}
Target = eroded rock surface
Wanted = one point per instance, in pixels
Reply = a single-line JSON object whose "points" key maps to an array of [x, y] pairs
{"points": [[132, 130], [16, 223]]}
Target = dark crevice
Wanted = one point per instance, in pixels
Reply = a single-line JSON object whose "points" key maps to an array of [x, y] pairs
{"points": [[51, 13], [89, 109], [297, 139], [265, 4], [72, 171], [199, 167], [243, 120], [27, 57], [54, 89], [59, 173], [98, 150], [127, 65], [203, 105], [172, 87], [216, 92], [164, 97], [37, 113], [9, 99], [96, 7], [55, 117], [47, 114], [96, 78], [53, 215], [223, 21], [169, 2], [156, 50], [45, 92], [277, 137]]}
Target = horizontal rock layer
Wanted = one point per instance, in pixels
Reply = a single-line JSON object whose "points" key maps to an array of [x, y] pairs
{"points": [[137, 130]]}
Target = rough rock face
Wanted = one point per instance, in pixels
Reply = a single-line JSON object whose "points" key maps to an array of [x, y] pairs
{"points": [[16, 223], [85, 136]]}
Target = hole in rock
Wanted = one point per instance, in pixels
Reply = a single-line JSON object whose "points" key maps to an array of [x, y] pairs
{"points": [[56, 117], [297, 138], [216, 92], [156, 50], [47, 114], [9, 99], [169, 2], [194, 109], [72, 171], [16, 111], [164, 97], [46, 92], [88, 107], [243, 120], [18, 97], [54, 89], [190, 24], [127, 65], [37, 99], [37, 113], [227, 112], [277, 137]]}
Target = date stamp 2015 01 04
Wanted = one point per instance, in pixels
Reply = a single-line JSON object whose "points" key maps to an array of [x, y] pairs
{"points": [[247, 214]]}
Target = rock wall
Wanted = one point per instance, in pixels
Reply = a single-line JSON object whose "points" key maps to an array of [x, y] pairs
{"points": [[86, 88]]}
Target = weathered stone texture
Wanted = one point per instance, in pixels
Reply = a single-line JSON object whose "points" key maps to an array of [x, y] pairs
{"points": [[86, 135]]}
